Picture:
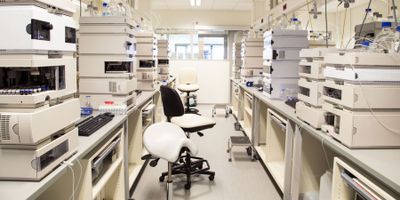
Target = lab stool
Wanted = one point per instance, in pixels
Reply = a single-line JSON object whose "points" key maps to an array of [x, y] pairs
{"points": [[220, 106], [242, 141]]}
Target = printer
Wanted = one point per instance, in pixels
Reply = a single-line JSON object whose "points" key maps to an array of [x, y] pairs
{"points": [[361, 99], [107, 63], [38, 76]]}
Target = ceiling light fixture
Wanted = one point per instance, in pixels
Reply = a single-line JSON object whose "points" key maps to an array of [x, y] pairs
{"points": [[195, 3]]}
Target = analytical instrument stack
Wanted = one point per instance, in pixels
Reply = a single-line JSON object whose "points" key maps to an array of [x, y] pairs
{"points": [[251, 53], [281, 61], [107, 61], [38, 73], [146, 56], [163, 59], [361, 99], [311, 72], [237, 59]]}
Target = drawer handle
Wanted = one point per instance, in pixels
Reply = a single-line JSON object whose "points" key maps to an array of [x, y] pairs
{"points": [[279, 122]]}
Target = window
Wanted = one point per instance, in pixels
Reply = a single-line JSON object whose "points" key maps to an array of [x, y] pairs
{"points": [[194, 46]]}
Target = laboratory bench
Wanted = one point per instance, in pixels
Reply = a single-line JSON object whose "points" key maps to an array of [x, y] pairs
{"points": [[294, 152], [119, 180]]}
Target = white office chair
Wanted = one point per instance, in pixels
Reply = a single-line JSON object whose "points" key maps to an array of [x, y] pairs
{"points": [[187, 83], [167, 141]]}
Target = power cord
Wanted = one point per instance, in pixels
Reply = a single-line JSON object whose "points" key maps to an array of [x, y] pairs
{"points": [[365, 18], [326, 24], [326, 155], [300, 128], [70, 167], [394, 13]]}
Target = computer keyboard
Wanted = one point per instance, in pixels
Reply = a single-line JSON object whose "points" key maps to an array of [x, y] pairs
{"points": [[90, 126]]}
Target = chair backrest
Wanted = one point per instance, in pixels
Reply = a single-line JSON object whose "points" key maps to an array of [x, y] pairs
{"points": [[187, 75], [172, 103]]}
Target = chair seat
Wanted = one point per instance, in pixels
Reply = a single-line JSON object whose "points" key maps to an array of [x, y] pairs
{"points": [[166, 140], [188, 87], [193, 122]]}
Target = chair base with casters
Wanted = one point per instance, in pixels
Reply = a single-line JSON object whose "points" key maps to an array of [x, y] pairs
{"points": [[190, 165]]}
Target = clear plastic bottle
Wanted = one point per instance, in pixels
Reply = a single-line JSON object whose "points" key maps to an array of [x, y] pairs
{"points": [[283, 22], [295, 24], [396, 44], [370, 16], [106, 9], [88, 109], [116, 9]]}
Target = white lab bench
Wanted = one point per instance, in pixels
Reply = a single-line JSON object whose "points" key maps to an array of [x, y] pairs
{"points": [[311, 151], [58, 183]]}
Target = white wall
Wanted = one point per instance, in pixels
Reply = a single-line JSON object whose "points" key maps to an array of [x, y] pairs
{"points": [[213, 79], [185, 19]]}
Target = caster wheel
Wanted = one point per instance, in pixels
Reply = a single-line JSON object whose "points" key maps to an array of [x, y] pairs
{"points": [[200, 167], [226, 116], [227, 151], [230, 159], [188, 186], [237, 127], [161, 179], [211, 177], [248, 150]]}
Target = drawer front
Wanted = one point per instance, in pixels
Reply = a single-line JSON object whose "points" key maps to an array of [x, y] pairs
{"points": [[99, 44]]}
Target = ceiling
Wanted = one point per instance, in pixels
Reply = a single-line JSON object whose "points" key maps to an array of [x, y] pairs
{"points": [[205, 5]]}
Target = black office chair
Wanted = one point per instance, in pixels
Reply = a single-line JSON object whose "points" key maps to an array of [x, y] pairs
{"points": [[190, 123]]}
